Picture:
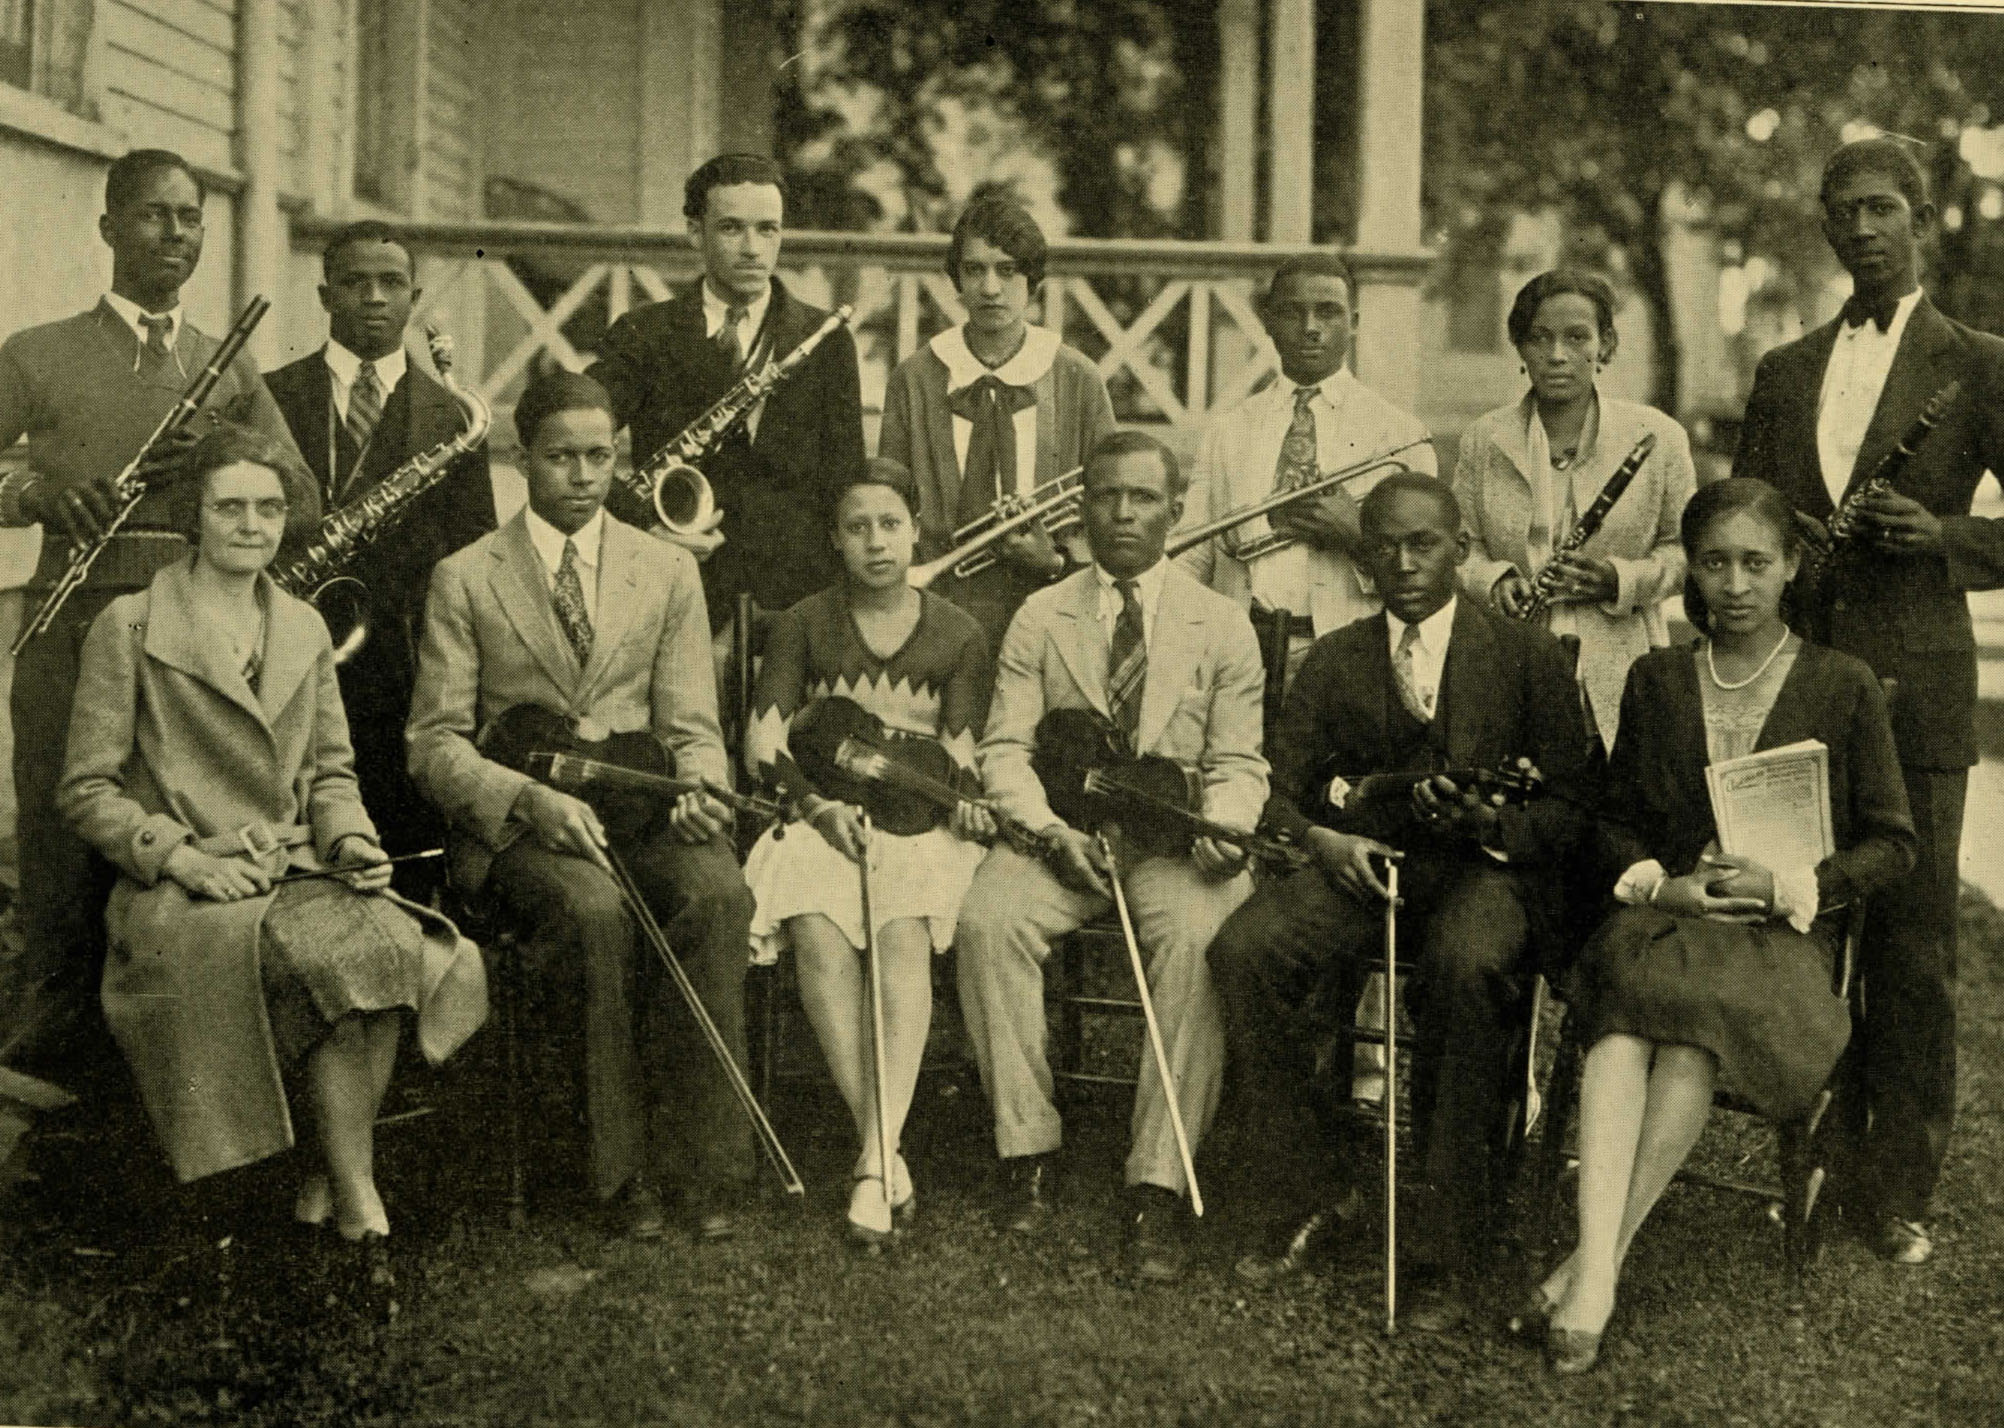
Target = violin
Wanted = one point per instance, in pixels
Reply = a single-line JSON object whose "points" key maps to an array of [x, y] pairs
{"points": [[1092, 780], [629, 777]]}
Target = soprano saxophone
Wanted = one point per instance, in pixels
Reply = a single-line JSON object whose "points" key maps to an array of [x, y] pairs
{"points": [[669, 481], [319, 573]]}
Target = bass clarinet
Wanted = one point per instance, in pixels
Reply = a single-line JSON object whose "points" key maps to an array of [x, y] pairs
{"points": [[669, 478], [129, 489], [1586, 527], [319, 575]]}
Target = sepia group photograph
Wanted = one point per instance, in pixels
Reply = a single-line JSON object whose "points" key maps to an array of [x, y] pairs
{"points": [[1002, 712]]}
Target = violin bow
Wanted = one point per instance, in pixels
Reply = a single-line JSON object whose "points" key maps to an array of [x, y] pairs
{"points": [[1390, 1008], [1169, 1088]]}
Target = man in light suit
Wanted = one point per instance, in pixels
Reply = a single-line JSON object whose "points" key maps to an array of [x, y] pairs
{"points": [[1315, 417], [571, 609], [1176, 669], [359, 410], [1824, 411]]}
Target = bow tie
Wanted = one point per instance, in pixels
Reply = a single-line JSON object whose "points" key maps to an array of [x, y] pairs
{"points": [[1857, 312], [970, 401]]}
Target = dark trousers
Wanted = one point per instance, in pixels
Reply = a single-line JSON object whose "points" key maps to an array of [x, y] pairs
{"points": [[1286, 966], [50, 1008], [376, 693], [1907, 960], [656, 1098]]}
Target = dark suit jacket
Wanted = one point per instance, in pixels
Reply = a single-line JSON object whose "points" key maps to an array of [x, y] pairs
{"points": [[775, 490], [1654, 802], [1507, 690], [417, 416], [1906, 617]]}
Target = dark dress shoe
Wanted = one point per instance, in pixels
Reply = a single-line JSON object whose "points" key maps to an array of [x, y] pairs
{"points": [[1029, 1193], [376, 1282], [637, 1212], [1571, 1351], [1156, 1251], [1532, 1319], [715, 1225], [1902, 1242], [1433, 1301], [1311, 1246]]}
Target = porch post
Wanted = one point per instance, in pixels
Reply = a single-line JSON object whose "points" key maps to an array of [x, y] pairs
{"points": [[681, 46], [261, 236], [1390, 67], [1290, 204], [1238, 117]]}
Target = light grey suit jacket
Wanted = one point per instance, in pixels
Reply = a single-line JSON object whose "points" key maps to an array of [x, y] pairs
{"points": [[491, 641], [1200, 705]]}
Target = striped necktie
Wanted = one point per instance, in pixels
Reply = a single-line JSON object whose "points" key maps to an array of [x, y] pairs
{"points": [[365, 409], [568, 596], [1127, 663], [729, 341]]}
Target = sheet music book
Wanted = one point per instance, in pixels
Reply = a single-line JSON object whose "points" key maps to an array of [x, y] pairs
{"points": [[1775, 805]]}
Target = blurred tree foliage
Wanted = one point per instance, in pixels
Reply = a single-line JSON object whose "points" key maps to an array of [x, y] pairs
{"points": [[1608, 113]]}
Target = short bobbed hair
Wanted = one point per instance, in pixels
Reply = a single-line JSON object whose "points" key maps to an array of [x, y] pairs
{"points": [[557, 390], [1002, 221], [1129, 442], [725, 170], [1569, 278], [879, 471], [227, 444], [128, 171], [1733, 496]]}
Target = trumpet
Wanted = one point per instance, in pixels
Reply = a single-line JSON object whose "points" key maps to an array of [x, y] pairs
{"points": [[1055, 504], [669, 481], [1265, 545]]}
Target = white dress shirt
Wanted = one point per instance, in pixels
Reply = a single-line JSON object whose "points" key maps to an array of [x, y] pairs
{"points": [[129, 313], [1032, 360], [1147, 591], [1852, 383], [715, 310], [1429, 652], [549, 544], [346, 368]]}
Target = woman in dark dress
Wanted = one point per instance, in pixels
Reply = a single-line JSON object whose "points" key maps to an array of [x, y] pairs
{"points": [[1715, 967]]}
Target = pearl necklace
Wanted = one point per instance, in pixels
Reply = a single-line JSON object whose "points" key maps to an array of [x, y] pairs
{"points": [[1772, 654]]}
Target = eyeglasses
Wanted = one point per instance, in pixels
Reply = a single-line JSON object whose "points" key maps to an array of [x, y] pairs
{"points": [[234, 508]]}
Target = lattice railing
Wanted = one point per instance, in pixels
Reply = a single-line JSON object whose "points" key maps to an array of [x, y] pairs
{"points": [[1172, 325]]}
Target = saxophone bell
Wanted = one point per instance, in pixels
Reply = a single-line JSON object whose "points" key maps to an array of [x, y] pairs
{"points": [[343, 603], [683, 500]]}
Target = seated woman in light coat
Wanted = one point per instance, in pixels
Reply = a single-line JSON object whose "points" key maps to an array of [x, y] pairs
{"points": [[1528, 471], [208, 756]]}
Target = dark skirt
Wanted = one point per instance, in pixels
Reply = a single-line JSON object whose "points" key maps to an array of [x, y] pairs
{"points": [[1759, 998], [328, 951]]}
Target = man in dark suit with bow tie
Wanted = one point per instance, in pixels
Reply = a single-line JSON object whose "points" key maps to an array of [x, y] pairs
{"points": [[1824, 411], [664, 364], [1429, 683], [359, 409]]}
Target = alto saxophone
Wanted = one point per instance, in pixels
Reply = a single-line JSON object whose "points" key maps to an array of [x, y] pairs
{"points": [[669, 481], [318, 573]]}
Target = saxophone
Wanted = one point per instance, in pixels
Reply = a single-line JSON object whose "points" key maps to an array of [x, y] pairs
{"points": [[318, 573], [669, 481]]}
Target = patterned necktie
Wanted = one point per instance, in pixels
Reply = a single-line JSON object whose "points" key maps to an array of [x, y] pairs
{"points": [[728, 341], [989, 404], [568, 596], [1416, 701], [365, 409], [1126, 663], [1297, 464]]}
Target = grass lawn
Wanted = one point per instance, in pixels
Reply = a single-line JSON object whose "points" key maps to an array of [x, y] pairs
{"points": [[786, 1325]]}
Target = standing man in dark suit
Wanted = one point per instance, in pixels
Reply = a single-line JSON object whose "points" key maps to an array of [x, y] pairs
{"points": [[775, 475], [86, 392], [1824, 411], [359, 409], [1428, 683]]}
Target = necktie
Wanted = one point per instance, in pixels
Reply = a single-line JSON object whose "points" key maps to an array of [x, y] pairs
{"points": [[365, 409], [1297, 464], [1410, 694], [570, 602], [1126, 663], [990, 405], [156, 352], [1857, 312], [729, 342]]}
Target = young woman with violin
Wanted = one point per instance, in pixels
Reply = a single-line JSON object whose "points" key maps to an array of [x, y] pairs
{"points": [[902, 668], [1716, 967]]}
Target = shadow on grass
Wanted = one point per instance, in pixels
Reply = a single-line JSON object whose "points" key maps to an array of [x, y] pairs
{"points": [[959, 1324]]}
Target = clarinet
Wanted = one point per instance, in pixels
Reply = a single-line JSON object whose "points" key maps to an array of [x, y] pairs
{"points": [[1586, 527], [130, 490], [1844, 524]]}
